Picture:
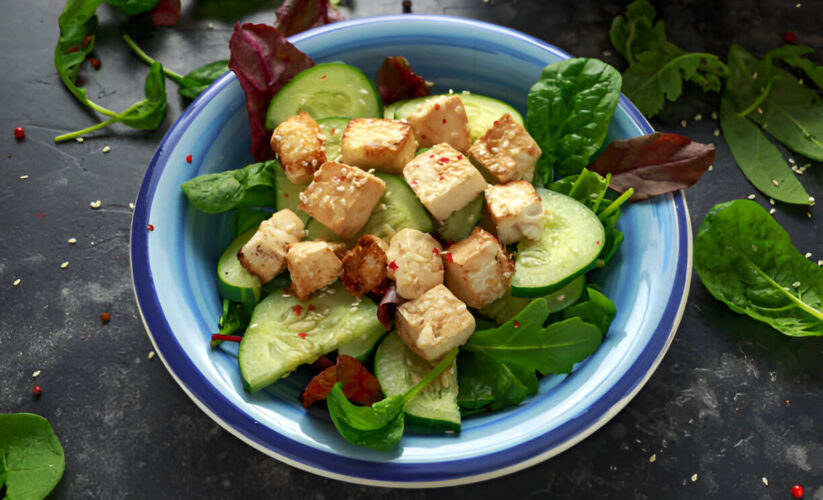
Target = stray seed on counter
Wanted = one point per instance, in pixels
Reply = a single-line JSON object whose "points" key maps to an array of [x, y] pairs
{"points": [[24, 177], [714, 115], [771, 211], [106, 149], [819, 263], [151, 354], [765, 481], [796, 284], [809, 215], [64, 265], [131, 206], [698, 117], [808, 254], [211, 26], [653, 458], [751, 196], [771, 201], [711, 167], [717, 132], [683, 123], [72, 241], [694, 477], [607, 53], [16, 282], [96, 204], [79, 139], [35, 374]]}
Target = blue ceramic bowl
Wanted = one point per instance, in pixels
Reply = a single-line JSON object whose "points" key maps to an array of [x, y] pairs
{"points": [[174, 274]]}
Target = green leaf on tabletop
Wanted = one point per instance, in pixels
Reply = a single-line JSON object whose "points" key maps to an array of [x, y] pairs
{"points": [[794, 56], [198, 80], [597, 310], [569, 110], [250, 186], [31, 457], [78, 26], [747, 260], [133, 7], [148, 113], [636, 32]]}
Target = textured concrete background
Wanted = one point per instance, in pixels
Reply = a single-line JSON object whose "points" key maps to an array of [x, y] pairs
{"points": [[733, 401]]}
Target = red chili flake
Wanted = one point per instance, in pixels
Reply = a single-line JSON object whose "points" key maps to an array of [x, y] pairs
{"points": [[227, 338], [38, 391], [393, 265], [496, 122], [339, 178], [42, 215], [431, 156], [19, 133], [436, 106], [789, 37], [797, 491], [150, 227], [311, 307], [413, 183], [86, 41], [298, 309], [443, 159], [188, 158], [459, 157], [105, 317], [444, 120], [323, 77], [436, 251], [517, 324], [597, 242], [72, 50], [285, 195], [449, 258], [441, 177], [95, 62], [302, 335], [332, 131]]}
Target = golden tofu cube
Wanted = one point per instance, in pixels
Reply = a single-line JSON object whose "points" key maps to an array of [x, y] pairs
{"points": [[506, 151], [313, 265], [264, 255], [434, 323], [516, 211], [442, 119], [342, 197], [414, 262], [378, 143], [444, 180], [298, 143], [364, 266], [478, 271]]}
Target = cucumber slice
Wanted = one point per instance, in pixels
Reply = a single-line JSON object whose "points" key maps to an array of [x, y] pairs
{"points": [[389, 109], [481, 111], [273, 346], [571, 241], [288, 194], [459, 225], [507, 307], [362, 347], [234, 282], [332, 128], [324, 90], [398, 369]]}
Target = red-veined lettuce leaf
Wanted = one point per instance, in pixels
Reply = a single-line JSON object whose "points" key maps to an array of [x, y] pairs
{"points": [[295, 16], [359, 386], [396, 81]]}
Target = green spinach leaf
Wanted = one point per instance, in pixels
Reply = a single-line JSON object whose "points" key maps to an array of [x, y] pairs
{"points": [[250, 186], [569, 110], [597, 310], [488, 384], [31, 457], [133, 7], [245, 219], [793, 55], [747, 260]]}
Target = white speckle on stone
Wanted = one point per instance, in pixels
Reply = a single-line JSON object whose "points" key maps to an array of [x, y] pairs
{"points": [[72, 241], [16, 282], [694, 477], [151, 354], [79, 139], [106, 149], [35, 374], [764, 480], [24, 177], [808, 254], [64, 265], [653, 458], [131, 206], [96, 204]]}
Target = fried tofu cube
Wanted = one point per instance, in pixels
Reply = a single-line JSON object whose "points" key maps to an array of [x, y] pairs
{"points": [[516, 211], [478, 271], [264, 255], [414, 262], [298, 143], [444, 180], [342, 197], [313, 265], [378, 143], [442, 119], [434, 323], [364, 266], [506, 151]]}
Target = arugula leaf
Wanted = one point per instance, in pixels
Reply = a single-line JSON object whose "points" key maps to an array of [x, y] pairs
{"points": [[747, 260], [524, 343], [379, 426], [793, 55], [250, 186], [569, 110], [31, 457]]}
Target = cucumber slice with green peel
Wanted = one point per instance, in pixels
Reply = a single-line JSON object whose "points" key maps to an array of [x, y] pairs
{"points": [[234, 282], [333, 128], [398, 369], [288, 194], [389, 109], [362, 347], [459, 225], [481, 111], [278, 339], [507, 307], [325, 90], [569, 246]]}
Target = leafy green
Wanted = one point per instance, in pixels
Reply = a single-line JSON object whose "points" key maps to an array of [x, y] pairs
{"points": [[31, 457], [597, 310], [793, 55], [235, 319], [133, 7], [250, 186], [485, 383], [379, 426], [657, 67], [747, 260], [244, 219], [569, 110]]}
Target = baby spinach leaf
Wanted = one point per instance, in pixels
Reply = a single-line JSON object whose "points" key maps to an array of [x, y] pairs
{"points": [[569, 110], [148, 113], [78, 26], [250, 186], [245, 219], [31, 457], [486, 383], [747, 260], [379, 426], [133, 7], [597, 310]]}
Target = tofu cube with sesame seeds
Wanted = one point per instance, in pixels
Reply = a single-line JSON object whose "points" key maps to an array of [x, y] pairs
{"points": [[364, 266], [342, 197], [444, 180], [298, 143], [478, 271], [515, 211], [414, 262], [506, 151], [441, 119], [313, 265], [264, 255], [378, 143], [434, 323]]}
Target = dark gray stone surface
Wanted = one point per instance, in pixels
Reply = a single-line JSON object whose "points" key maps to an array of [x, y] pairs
{"points": [[732, 402]]}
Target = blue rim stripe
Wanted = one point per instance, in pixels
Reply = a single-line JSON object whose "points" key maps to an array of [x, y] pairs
{"points": [[409, 474]]}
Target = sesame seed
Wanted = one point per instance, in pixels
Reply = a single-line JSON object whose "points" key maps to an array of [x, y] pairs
{"points": [[808, 254], [96, 204], [763, 126], [64, 265], [79, 139], [16, 282], [796, 284], [151, 355], [698, 117], [791, 160], [760, 110], [717, 132], [683, 123], [72, 241], [607, 53], [106, 149], [694, 477], [765, 481], [811, 200], [771, 211], [714, 115], [754, 75], [711, 167], [751, 196], [24, 177], [36, 374], [771, 201], [774, 181], [820, 262], [653, 458], [211, 26], [798, 5], [131, 206]]}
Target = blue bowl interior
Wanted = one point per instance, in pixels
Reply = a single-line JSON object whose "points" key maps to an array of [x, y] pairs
{"points": [[174, 273]]}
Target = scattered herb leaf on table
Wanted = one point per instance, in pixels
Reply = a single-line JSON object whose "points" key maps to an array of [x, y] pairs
{"points": [[31, 457]]}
